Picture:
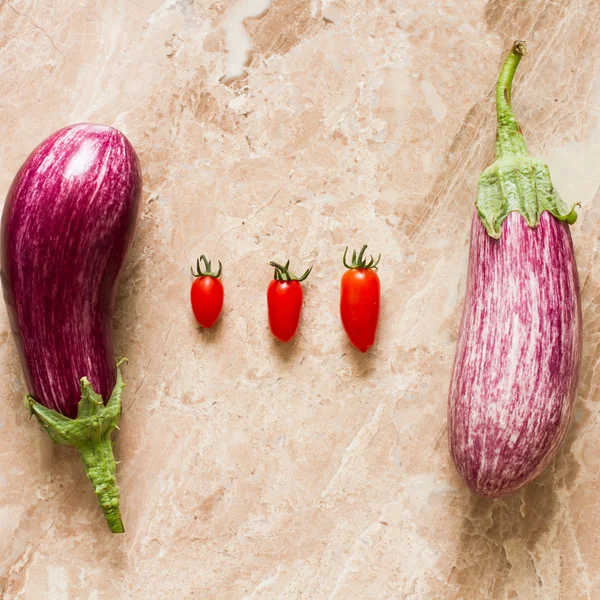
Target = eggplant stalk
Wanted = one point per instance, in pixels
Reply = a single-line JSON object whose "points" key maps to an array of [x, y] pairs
{"points": [[90, 433], [516, 181], [509, 141]]}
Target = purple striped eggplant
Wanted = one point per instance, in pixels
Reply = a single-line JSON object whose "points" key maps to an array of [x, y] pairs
{"points": [[519, 346], [67, 224]]}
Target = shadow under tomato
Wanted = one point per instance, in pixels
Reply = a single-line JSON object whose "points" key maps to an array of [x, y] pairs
{"points": [[286, 351], [213, 334], [362, 363]]}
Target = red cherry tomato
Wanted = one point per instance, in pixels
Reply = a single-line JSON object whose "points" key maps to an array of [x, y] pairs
{"points": [[206, 294], [284, 302], [359, 300]]}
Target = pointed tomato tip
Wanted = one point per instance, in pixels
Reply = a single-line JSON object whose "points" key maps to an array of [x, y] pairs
{"points": [[283, 340], [363, 349]]}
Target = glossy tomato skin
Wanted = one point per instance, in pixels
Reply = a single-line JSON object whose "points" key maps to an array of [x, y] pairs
{"points": [[359, 306], [207, 300], [284, 301]]}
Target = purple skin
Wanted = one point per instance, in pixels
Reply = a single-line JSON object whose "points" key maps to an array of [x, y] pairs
{"points": [[68, 222], [518, 354], [519, 346]]}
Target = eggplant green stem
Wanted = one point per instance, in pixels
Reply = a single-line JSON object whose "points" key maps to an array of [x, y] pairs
{"points": [[516, 182], [100, 467], [509, 141], [90, 433]]}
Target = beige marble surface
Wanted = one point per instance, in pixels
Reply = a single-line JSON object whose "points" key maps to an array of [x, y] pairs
{"points": [[289, 128]]}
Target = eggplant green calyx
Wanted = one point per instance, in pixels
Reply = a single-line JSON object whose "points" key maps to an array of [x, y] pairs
{"points": [[208, 272], [283, 273], [359, 260], [90, 433], [516, 181]]}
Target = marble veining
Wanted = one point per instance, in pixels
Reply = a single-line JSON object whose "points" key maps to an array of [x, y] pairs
{"points": [[293, 128]]}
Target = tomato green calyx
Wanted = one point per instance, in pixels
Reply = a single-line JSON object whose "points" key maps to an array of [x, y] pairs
{"points": [[283, 273], [207, 272], [359, 261]]}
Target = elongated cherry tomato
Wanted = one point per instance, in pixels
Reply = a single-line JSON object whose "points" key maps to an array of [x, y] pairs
{"points": [[359, 300], [284, 301], [206, 294]]}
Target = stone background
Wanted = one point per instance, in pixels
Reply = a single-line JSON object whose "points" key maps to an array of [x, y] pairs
{"points": [[290, 128]]}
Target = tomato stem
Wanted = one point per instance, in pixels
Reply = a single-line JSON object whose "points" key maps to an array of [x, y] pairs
{"points": [[359, 261], [208, 269], [283, 273]]}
